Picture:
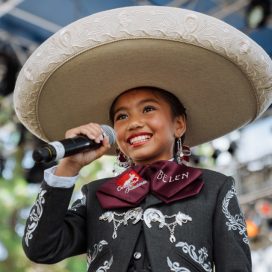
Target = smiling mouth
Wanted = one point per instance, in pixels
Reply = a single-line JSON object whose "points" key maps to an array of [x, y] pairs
{"points": [[139, 139]]}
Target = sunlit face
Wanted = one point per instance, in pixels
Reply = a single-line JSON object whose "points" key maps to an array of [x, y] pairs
{"points": [[145, 128]]}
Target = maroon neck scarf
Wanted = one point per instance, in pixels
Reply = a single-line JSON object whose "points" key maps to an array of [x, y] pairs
{"points": [[167, 180]]}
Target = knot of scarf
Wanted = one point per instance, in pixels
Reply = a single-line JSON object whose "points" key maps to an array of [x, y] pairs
{"points": [[167, 180]]}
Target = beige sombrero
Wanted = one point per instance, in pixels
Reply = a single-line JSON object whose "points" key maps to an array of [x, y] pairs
{"points": [[223, 78]]}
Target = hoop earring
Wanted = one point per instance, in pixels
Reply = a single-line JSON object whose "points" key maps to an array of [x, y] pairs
{"points": [[121, 163], [183, 152]]}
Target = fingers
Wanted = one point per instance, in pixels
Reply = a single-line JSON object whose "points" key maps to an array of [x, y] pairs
{"points": [[92, 131], [104, 148], [106, 141]]}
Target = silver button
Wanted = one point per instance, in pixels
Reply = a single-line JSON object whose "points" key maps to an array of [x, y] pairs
{"points": [[137, 255]]}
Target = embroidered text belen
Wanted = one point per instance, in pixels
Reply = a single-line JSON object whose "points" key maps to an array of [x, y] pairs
{"points": [[165, 178]]}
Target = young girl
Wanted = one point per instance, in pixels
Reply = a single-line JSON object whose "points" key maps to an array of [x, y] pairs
{"points": [[159, 214]]}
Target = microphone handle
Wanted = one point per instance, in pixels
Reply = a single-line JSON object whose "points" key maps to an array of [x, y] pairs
{"points": [[67, 147]]}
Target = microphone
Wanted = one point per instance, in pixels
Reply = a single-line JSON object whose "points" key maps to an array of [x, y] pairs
{"points": [[57, 150]]}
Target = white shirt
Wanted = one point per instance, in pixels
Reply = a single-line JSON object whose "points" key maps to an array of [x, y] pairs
{"points": [[57, 181]]}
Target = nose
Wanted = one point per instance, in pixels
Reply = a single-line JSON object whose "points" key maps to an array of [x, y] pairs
{"points": [[135, 123]]}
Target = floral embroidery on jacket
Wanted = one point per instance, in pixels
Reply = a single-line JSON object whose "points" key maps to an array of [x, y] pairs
{"points": [[106, 266], [97, 248], [148, 216], [237, 221], [200, 257], [91, 256], [175, 266], [78, 203], [35, 216]]}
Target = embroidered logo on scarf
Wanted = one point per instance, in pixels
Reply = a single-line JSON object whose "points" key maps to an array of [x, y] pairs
{"points": [[129, 181]]}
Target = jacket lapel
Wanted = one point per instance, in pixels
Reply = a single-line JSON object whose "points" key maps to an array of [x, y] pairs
{"points": [[124, 244]]}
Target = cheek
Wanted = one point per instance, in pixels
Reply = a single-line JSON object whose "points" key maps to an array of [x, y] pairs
{"points": [[161, 124], [119, 133], [165, 131]]}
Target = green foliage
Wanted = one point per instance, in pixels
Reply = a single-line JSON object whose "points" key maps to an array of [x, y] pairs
{"points": [[16, 198]]}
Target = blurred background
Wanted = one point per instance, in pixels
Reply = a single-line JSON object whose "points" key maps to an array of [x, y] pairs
{"points": [[245, 154]]}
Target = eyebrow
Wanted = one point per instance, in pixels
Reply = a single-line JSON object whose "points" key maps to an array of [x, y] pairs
{"points": [[140, 102]]}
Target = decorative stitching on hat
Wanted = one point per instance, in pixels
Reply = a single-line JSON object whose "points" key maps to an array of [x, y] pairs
{"points": [[147, 22]]}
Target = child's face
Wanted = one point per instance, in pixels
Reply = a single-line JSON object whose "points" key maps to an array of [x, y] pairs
{"points": [[145, 128]]}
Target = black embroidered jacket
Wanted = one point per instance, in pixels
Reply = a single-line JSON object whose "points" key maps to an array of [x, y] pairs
{"points": [[196, 234]]}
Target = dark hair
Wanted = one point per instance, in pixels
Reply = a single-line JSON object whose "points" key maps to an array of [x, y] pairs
{"points": [[177, 108]]}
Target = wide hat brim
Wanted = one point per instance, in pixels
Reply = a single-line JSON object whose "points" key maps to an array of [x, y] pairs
{"points": [[223, 78]]}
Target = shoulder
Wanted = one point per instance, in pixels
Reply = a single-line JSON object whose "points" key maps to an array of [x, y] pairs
{"points": [[215, 180], [213, 175], [94, 185]]}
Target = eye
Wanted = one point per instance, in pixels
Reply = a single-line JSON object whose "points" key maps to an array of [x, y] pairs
{"points": [[120, 116], [149, 108]]}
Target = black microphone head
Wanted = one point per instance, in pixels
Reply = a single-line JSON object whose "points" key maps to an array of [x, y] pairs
{"points": [[43, 154], [109, 131]]}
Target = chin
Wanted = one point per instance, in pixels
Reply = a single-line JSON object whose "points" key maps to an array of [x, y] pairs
{"points": [[141, 159], [144, 158]]}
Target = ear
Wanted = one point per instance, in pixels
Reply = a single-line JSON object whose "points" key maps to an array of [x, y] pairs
{"points": [[180, 126]]}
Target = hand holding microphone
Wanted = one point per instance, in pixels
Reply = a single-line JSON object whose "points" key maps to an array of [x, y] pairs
{"points": [[84, 138]]}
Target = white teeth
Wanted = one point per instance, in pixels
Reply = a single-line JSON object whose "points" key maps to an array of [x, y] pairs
{"points": [[139, 139]]}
